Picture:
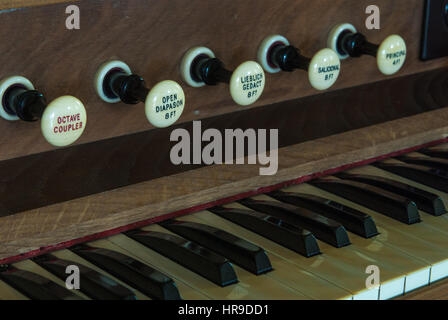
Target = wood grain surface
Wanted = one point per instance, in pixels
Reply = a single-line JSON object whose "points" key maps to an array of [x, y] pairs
{"points": [[129, 207], [152, 40]]}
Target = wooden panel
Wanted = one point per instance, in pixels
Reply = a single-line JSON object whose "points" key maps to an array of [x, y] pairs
{"points": [[42, 179], [130, 207], [152, 40], [320, 134], [13, 4]]}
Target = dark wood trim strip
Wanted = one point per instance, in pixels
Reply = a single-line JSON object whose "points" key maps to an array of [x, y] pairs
{"points": [[56, 176]]}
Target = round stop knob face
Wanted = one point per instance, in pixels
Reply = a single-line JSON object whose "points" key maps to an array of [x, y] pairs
{"points": [[391, 55], [324, 69], [164, 104], [63, 121], [247, 83]]}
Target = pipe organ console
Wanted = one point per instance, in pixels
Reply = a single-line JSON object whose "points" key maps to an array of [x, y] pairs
{"points": [[275, 54], [170, 202]]}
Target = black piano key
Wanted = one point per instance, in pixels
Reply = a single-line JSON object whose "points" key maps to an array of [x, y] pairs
{"points": [[192, 256], [431, 177], [241, 252], [425, 201], [435, 163], [323, 228], [385, 202], [94, 284], [440, 151], [149, 281], [353, 220], [280, 231], [35, 286]]}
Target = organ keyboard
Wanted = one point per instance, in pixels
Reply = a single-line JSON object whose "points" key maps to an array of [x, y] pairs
{"points": [[278, 245], [148, 204]]}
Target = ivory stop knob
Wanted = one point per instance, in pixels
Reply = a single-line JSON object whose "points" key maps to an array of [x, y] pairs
{"points": [[247, 83], [276, 54], [63, 121], [324, 69], [164, 104], [347, 42], [391, 54], [200, 67]]}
